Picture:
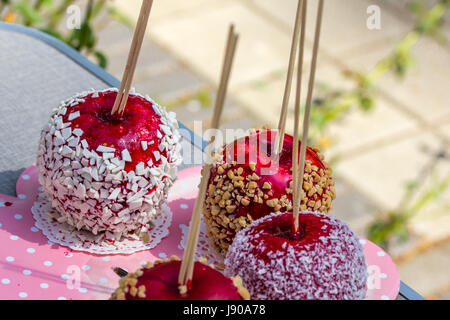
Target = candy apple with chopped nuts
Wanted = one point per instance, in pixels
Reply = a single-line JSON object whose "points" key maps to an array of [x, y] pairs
{"points": [[247, 182], [109, 174], [324, 261], [159, 281]]}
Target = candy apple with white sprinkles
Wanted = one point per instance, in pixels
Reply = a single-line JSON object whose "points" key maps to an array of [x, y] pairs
{"points": [[109, 173]]}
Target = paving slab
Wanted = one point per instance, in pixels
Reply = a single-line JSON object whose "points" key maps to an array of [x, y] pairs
{"points": [[198, 39], [427, 273], [361, 130], [163, 9], [381, 174], [424, 91], [263, 97], [344, 23]]}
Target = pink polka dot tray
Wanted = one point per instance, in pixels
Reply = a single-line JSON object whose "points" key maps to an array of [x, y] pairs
{"points": [[34, 267]]}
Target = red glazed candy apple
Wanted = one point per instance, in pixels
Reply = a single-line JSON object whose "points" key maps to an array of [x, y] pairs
{"points": [[108, 173], [159, 281], [324, 261], [245, 185]]}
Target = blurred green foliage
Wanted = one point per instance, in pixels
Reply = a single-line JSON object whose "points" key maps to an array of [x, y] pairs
{"points": [[49, 15]]}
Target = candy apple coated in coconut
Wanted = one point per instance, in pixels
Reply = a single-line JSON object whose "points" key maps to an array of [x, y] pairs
{"points": [[325, 261], [108, 173], [247, 183], [159, 281]]}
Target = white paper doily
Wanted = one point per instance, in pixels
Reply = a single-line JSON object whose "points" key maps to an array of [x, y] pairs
{"points": [[66, 235], [204, 245]]}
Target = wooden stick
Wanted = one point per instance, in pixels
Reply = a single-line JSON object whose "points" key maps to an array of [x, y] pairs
{"points": [[312, 76], [295, 158], [287, 87], [138, 37], [215, 123], [220, 101], [187, 265]]}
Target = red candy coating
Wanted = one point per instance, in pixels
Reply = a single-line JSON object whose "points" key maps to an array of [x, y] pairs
{"points": [[138, 123], [326, 262], [161, 283], [258, 186]]}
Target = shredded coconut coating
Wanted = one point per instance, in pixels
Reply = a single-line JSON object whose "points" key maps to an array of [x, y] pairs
{"points": [[91, 188], [329, 265]]}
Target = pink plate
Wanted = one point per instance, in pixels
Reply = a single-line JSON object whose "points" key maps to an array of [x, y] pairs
{"points": [[31, 267]]}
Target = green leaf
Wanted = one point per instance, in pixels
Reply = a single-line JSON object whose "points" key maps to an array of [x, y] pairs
{"points": [[204, 97], [30, 15], [102, 60]]}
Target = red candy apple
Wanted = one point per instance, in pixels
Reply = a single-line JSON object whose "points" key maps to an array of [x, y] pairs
{"points": [[159, 281], [326, 261], [108, 172], [247, 183]]}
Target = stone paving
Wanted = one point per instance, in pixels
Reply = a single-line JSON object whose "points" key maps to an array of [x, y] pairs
{"points": [[378, 152]]}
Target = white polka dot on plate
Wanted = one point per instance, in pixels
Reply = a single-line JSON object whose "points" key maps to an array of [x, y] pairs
{"points": [[44, 285], [31, 250], [381, 253], [383, 276], [62, 298], [6, 281], [26, 272], [18, 216], [64, 276], [103, 280], [106, 259], [384, 298], [2, 204], [143, 263], [184, 206], [48, 263], [34, 229], [162, 255], [85, 267], [82, 290], [26, 177], [0, 225], [10, 259], [22, 196], [362, 241], [23, 294], [68, 254], [13, 237]]}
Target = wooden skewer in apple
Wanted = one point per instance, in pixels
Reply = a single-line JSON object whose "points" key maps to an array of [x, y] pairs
{"points": [[187, 266], [127, 78], [298, 172]]}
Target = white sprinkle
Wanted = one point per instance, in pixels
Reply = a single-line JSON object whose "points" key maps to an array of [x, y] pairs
{"points": [[74, 115], [114, 194], [66, 133], [108, 155], [84, 144], [157, 155], [102, 148], [144, 145], [78, 132], [140, 168], [126, 155]]}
